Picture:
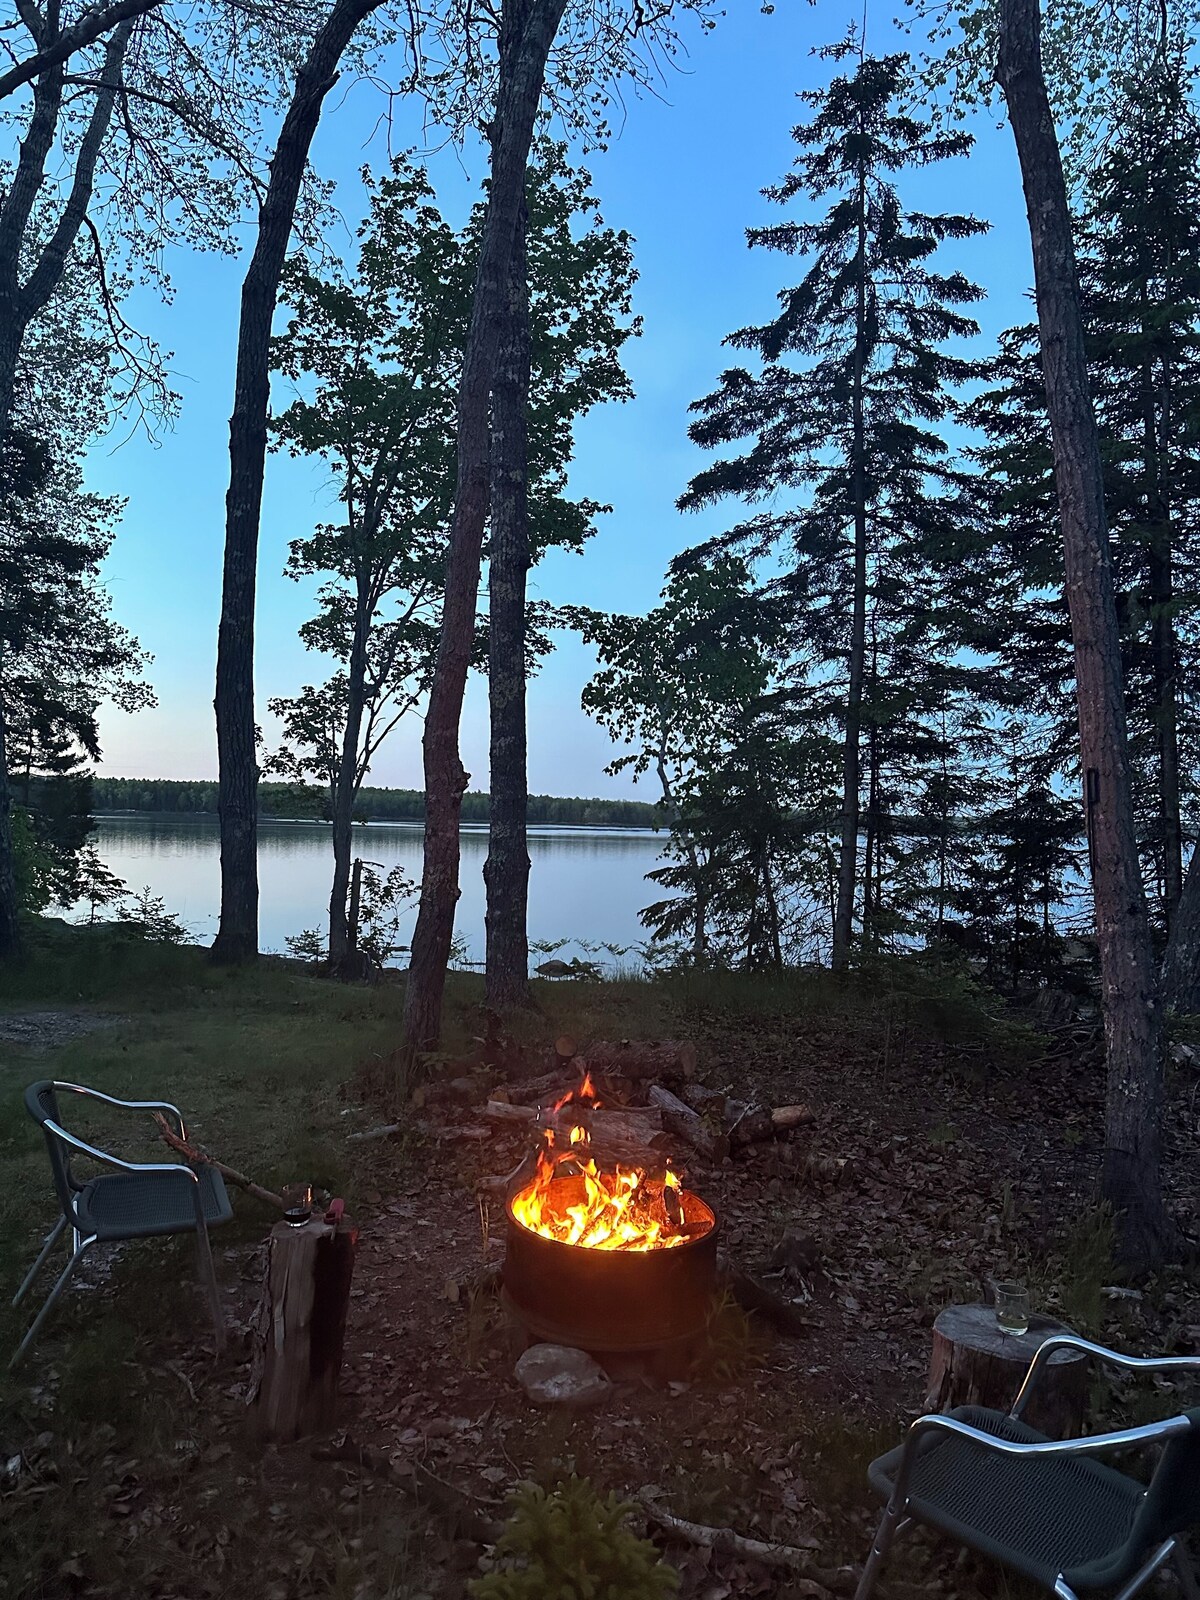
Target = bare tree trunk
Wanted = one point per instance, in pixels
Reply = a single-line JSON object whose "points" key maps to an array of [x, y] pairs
{"points": [[506, 871], [1162, 646], [1132, 1178], [10, 927], [843, 921], [346, 785], [699, 891], [527, 31], [237, 801], [1181, 964]]}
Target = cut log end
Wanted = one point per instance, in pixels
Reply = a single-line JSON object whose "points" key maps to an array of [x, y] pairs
{"points": [[973, 1363]]}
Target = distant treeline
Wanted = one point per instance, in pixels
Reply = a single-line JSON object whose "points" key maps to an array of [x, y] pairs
{"points": [[292, 800]]}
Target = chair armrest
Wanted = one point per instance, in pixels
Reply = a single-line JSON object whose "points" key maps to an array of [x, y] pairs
{"points": [[1072, 1341], [1091, 1445], [127, 1105], [117, 1161]]}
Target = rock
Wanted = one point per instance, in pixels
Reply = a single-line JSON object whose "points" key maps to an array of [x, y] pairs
{"points": [[555, 1375]]}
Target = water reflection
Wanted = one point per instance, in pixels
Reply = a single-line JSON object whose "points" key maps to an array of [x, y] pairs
{"points": [[585, 884]]}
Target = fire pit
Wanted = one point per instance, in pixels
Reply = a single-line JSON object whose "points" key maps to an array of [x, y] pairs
{"points": [[604, 1254]]}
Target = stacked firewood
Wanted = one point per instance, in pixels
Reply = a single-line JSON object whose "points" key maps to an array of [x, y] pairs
{"points": [[644, 1105]]}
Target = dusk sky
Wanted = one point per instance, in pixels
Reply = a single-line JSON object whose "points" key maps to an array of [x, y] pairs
{"points": [[684, 177]]}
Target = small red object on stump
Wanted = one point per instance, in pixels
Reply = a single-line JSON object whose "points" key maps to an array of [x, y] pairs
{"points": [[300, 1328]]}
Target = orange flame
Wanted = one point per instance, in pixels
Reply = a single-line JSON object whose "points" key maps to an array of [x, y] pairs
{"points": [[585, 1094], [572, 1201]]}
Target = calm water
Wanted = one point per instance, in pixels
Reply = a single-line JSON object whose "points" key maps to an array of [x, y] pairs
{"points": [[586, 884]]}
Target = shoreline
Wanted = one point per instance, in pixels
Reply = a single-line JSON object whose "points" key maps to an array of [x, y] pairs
{"points": [[416, 824]]}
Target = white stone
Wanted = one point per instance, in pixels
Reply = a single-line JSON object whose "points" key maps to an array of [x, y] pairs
{"points": [[556, 1375]]}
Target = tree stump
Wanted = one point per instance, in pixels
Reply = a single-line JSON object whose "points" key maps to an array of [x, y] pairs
{"points": [[975, 1364], [300, 1328]]}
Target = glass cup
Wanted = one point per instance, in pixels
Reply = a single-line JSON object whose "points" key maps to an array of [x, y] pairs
{"points": [[1012, 1306], [297, 1203]]}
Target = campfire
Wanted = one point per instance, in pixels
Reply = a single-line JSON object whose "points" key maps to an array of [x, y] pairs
{"points": [[576, 1200], [606, 1249]]}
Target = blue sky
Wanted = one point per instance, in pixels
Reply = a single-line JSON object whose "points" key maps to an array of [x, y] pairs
{"points": [[684, 177]]}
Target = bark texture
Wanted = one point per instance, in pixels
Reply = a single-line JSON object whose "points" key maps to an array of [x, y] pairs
{"points": [[506, 872], [1132, 1179], [527, 32], [237, 801], [1181, 965]]}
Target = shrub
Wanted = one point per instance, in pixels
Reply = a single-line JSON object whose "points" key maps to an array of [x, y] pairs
{"points": [[569, 1544]]}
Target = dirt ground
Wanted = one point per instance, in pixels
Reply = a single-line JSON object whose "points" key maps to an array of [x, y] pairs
{"points": [[946, 1166]]}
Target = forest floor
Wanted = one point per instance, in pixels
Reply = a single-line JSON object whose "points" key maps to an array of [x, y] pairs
{"points": [[126, 1470]]}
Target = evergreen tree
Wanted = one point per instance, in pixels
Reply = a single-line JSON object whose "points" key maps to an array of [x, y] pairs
{"points": [[1140, 279], [845, 441], [690, 687]]}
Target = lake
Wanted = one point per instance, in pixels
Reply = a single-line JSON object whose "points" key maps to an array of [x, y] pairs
{"points": [[586, 884]]}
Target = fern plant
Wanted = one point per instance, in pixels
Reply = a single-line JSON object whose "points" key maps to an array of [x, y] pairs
{"points": [[571, 1544]]}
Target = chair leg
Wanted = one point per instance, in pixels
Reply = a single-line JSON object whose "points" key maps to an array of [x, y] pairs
{"points": [[884, 1535], [52, 1239], [208, 1272], [65, 1278], [1147, 1570]]}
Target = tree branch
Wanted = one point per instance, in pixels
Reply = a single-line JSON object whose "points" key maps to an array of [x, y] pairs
{"points": [[90, 27], [46, 275]]}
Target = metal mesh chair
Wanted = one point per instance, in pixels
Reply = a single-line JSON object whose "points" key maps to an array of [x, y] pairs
{"points": [[1043, 1506], [140, 1200]]}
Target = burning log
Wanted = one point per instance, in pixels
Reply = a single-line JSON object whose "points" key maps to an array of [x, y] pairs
{"points": [[633, 1123], [639, 1059], [540, 1091], [300, 1327], [688, 1125]]}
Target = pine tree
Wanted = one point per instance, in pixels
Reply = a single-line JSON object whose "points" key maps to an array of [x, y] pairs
{"points": [[847, 430], [1140, 280]]}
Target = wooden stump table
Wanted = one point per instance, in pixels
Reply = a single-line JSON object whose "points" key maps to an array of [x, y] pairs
{"points": [[975, 1364], [300, 1328]]}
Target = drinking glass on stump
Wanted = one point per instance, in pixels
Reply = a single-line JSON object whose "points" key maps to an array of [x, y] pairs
{"points": [[297, 1203], [1012, 1306]]}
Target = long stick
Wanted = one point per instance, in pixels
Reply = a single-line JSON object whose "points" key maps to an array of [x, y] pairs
{"points": [[239, 1179], [782, 1557]]}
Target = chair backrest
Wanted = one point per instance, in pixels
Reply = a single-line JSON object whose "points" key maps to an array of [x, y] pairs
{"points": [[42, 1104], [1172, 1503]]}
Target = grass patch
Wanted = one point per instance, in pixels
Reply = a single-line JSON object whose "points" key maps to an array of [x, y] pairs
{"points": [[259, 1060], [135, 1478]]}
